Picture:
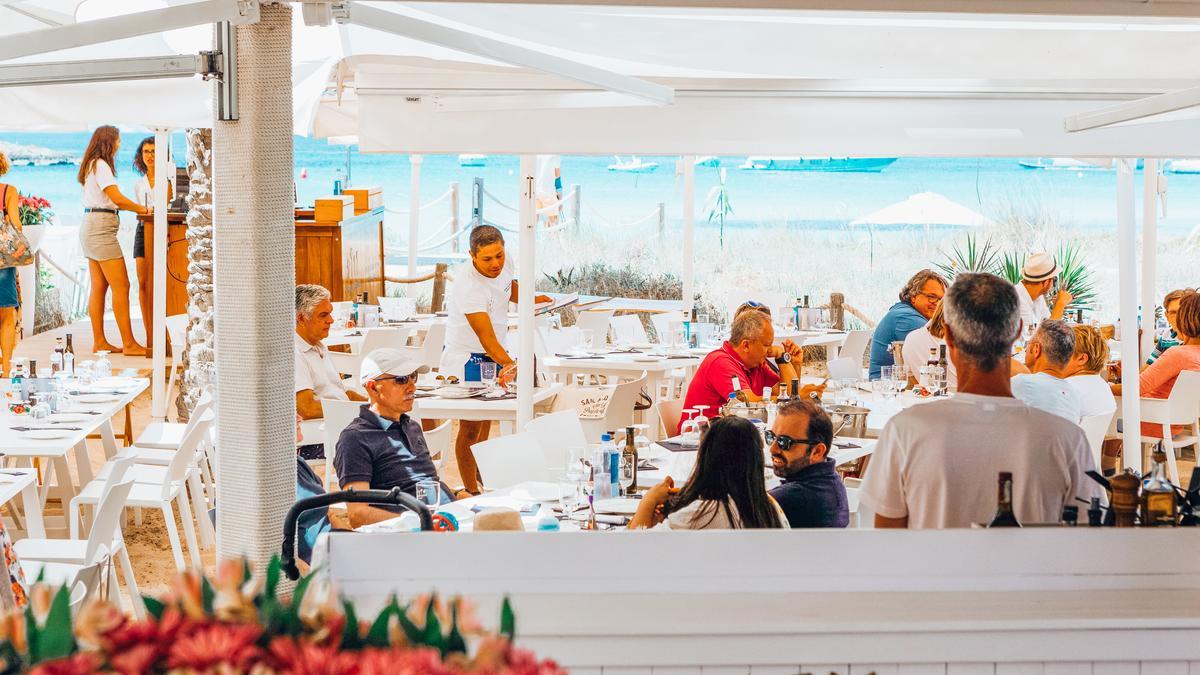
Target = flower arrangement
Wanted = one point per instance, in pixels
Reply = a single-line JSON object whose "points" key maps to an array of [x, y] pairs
{"points": [[34, 211], [238, 624]]}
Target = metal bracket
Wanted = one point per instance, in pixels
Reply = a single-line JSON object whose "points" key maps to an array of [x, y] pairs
{"points": [[225, 71], [341, 11]]}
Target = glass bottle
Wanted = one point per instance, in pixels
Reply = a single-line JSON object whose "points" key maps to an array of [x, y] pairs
{"points": [[56, 357], [69, 357], [1004, 507], [943, 373], [32, 386], [630, 451], [1159, 506]]}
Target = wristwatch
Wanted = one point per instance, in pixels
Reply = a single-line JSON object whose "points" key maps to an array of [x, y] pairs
{"points": [[783, 358]]}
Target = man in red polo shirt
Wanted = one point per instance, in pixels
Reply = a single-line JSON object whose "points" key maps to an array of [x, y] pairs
{"points": [[744, 356]]}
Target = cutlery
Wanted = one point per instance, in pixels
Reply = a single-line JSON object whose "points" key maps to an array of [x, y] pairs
{"points": [[46, 428]]}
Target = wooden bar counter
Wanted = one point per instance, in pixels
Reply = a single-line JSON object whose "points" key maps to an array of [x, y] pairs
{"points": [[177, 261], [344, 256]]}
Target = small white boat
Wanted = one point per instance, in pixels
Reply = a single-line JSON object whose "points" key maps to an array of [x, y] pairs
{"points": [[1184, 166], [1061, 164], [708, 160], [472, 160], [833, 164], [633, 165]]}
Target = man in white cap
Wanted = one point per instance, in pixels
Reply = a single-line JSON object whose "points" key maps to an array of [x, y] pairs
{"points": [[1037, 278], [383, 447]]}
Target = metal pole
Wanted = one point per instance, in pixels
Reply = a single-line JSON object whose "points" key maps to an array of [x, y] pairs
{"points": [[1149, 252], [689, 231], [454, 224], [576, 203], [477, 202], [414, 212], [1127, 280], [158, 340], [662, 220], [525, 273]]}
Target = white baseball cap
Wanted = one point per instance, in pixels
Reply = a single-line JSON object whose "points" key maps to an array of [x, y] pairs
{"points": [[389, 362]]}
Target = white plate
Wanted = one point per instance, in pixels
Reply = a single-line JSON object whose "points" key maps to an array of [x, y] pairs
{"points": [[536, 493], [114, 383], [47, 434], [69, 417], [97, 398], [457, 391], [621, 505], [646, 358]]}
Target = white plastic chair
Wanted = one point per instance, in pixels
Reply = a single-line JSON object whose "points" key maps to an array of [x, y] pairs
{"points": [[618, 414], [556, 432], [1182, 407], [373, 338], [774, 301], [844, 368], [669, 413], [628, 329], [508, 460], [429, 353], [439, 441], [1094, 427], [597, 322], [338, 415], [176, 326], [104, 538], [168, 435], [855, 345], [662, 325]]}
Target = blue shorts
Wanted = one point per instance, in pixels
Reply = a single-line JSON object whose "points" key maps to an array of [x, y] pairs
{"points": [[8, 287], [472, 371]]}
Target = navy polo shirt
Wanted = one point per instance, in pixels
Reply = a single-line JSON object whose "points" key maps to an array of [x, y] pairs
{"points": [[385, 454], [814, 496]]}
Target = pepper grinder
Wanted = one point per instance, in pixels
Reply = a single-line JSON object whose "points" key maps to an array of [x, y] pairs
{"points": [[1125, 500]]}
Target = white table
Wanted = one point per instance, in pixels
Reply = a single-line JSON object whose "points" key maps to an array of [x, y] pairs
{"points": [[353, 337], [626, 365], [678, 465], [810, 338], [23, 483], [480, 410], [17, 445]]}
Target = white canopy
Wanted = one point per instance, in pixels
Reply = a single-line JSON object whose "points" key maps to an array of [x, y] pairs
{"points": [[924, 208]]}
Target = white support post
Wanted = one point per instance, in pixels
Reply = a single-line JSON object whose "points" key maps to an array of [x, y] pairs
{"points": [[576, 208], [1127, 281], [455, 226], [525, 274], [1149, 252], [158, 341], [689, 231], [414, 212]]}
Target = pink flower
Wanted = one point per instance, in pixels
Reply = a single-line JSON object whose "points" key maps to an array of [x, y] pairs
{"points": [[414, 661], [216, 646], [303, 658], [82, 663]]}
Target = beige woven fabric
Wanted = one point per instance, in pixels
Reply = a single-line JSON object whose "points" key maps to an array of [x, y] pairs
{"points": [[253, 285]]}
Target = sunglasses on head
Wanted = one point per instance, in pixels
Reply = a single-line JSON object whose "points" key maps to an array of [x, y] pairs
{"points": [[398, 379], [753, 304], [785, 443]]}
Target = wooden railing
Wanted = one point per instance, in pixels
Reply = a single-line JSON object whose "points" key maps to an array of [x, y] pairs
{"points": [[438, 275]]}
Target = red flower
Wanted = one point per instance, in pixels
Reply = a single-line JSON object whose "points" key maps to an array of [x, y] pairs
{"points": [[304, 658], [216, 645], [82, 663], [134, 660], [404, 661]]}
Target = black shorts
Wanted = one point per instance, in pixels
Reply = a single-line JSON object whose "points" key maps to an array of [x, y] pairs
{"points": [[139, 241]]}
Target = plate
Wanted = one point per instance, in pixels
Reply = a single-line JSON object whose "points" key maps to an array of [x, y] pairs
{"points": [[115, 383], [68, 417], [621, 505], [97, 398], [536, 493], [457, 391], [646, 358], [47, 434]]}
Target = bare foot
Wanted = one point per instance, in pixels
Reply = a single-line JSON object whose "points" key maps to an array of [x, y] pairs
{"points": [[134, 350], [105, 347]]}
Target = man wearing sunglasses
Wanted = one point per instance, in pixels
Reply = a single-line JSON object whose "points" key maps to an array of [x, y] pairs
{"points": [[919, 299], [383, 447], [812, 493]]}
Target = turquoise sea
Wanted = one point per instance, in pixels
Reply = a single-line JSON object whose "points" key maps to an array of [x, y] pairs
{"points": [[991, 186]]}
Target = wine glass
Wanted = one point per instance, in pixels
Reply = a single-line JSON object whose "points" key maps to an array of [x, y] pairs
{"points": [[103, 367], [641, 441], [625, 468], [702, 420], [899, 378], [689, 432], [576, 464], [569, 496]]}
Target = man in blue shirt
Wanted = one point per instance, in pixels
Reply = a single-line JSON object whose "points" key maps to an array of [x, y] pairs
{"points": [[919, 299], [383, 447], [812, 493]]}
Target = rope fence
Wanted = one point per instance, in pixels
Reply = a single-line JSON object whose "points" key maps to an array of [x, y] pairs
{"points": [[431, 204]]}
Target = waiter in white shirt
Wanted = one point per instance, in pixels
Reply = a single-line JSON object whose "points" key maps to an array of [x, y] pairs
{"points": [[476, 325], [1037, 279], [315, 376]]}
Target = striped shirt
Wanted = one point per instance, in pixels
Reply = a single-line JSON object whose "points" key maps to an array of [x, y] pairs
{"points": [[1161, 345]]}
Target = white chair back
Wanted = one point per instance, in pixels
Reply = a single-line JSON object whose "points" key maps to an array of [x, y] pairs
{"points": [[1184, 399], [439, 442], [187, 454], [628, 328], [508, 460], [855, 345], [597, 322], [176, 326], [379, 338], [845, 368], [774, 301], [430, 351], [669, 413], [1094, 427], [662, 325], [397, 309], [619, 413], [338, 415], [556, 433], [560, 341], [108, 518]]}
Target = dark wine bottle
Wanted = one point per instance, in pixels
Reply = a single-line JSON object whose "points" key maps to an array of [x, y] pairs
{"points": [[1004, 508]]}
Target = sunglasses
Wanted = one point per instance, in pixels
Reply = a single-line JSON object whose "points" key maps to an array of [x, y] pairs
{"points": [[753, 304], [398, 379], [785, 443]]}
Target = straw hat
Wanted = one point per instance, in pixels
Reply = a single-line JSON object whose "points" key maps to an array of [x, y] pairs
{"points": [[499, 520], [1039, 267]]}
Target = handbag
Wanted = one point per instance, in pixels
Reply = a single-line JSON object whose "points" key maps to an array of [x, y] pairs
{"points": [[14, 247]]}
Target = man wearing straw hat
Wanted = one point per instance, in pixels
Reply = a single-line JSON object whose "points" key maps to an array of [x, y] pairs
{"points": [[1037, 279]]}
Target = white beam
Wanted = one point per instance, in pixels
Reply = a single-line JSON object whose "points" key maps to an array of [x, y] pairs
{"points": [[103, 70], [689, 232], [1134, 110], [414, 211], [525, 274], [471, 43], [158, 340], [1149, 252], [564, 101], [130, 25], [1131, 413]]}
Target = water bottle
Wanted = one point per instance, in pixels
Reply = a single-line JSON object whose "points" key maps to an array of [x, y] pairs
{"points": [[546, 522], [603, 480], [354, 312], [18, 383]]}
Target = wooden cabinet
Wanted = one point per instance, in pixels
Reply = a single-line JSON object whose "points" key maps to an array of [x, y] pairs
{"points": [[345, 256]]}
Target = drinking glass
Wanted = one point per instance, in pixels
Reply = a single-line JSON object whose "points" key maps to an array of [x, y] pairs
{"points": [[429, 492], [84, 372], [625, 470], [40, 409], [899, 378], [584, 346], [641, 441], [569, 496], [576, 464], [487, 373], [702, 420], [689, 432], [103, 367]]}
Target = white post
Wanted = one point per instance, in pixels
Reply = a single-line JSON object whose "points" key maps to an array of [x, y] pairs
{"points": [[158, 341], [1149, 252], [414, 212], [1127, 280], [689, 231], [455, 226], [525, 275], [576, 224]]}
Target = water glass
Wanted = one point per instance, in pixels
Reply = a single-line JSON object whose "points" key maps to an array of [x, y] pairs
{"points": [[103, 368], [429, 492], [641, 441], [576, 463], [487, 373], [625, 469], [84, 372], [570, 496], [689, 432]]}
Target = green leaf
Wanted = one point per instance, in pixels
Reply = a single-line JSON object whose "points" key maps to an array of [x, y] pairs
{"points": [[207, 595], [351, 638], [508, 620], [411, 632], [154, 607], [274, 571], [377, 636], [432, 635], [291, 615], [454, 639], [56, 639]]}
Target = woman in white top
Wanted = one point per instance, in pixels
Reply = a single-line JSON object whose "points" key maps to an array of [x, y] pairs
{"points": [[102, 202], [143, 193], [726, 490], [476, 323], [919, 344]]}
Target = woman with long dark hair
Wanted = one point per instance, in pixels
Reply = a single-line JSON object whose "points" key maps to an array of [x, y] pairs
{"points": [[143, 193], [726, 490], [102, 202]]}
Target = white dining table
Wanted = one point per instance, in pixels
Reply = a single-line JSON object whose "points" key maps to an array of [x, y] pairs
{"points": [[17, 482], [77, 423], [479, 409]]}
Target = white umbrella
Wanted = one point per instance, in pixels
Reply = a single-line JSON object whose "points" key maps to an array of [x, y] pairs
{"points": [[925, 208]]}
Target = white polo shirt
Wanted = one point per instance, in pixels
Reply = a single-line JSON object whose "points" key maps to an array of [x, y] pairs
{"points": [[1033, 311], [473, 293], [315, 371], [1047, 392]]}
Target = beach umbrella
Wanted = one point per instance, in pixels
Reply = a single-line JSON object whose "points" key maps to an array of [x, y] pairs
{"points": [[925, 208]]}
